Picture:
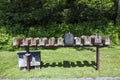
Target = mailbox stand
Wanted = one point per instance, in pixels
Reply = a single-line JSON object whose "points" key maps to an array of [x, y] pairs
{"points": [[97, 57], [27, 57], [97, 41]]}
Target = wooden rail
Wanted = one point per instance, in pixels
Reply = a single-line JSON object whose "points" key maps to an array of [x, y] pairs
{"points": [[84, 41]]}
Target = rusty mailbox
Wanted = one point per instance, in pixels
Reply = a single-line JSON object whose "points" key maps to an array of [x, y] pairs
{"points": [[17, 42], [51, 42], [34, 41], [42, 41], [26, 42], [86, 40]]}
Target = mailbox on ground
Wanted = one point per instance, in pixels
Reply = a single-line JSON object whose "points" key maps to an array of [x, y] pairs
{"points": [[34, 59]]}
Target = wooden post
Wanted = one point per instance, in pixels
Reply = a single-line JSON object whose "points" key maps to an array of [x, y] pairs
{"points": [[27, 49], [28, 61], [27, 57], [97, 57]]}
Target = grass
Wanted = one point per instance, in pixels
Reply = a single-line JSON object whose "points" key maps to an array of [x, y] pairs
{"points": [[64, 63]]}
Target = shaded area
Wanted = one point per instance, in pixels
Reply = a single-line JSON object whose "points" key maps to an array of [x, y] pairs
{"points": [[90, 48], [85, 48], [68, 64]]}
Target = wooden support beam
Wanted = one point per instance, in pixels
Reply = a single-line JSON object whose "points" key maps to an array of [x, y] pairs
{"points": [[97, 58]]}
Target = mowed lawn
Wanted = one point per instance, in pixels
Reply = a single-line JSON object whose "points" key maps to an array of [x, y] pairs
{"points": [[64, 63]]}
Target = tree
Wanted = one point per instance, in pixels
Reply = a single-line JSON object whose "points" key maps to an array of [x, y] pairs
{"points": [[117, 12]]}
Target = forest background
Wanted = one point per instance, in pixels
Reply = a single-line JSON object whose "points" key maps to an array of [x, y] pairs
{"points": [[47, 18]]}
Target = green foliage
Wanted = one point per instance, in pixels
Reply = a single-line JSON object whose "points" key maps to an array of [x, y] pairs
{"points": [[98, 4], [47, 18], [36, 31], [59, 30], [113, 32], [15, 29], [5, 40], [36, 12]]}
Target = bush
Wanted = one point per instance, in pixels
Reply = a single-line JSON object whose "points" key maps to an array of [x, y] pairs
{"points": [[104, 28], [37, 31], [113, 32], [5, 40]]}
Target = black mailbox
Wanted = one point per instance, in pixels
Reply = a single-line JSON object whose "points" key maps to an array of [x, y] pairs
{"points": [[69, 39], [35, 59]]}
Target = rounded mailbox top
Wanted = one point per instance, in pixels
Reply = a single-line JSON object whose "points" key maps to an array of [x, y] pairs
{"points": [[68, 39]]}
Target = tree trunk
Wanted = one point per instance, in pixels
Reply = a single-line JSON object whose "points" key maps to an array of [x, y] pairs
{"points": [[117, 12]]}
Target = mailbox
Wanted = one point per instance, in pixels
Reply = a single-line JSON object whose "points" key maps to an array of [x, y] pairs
{"points": [[51, 42], [98, 39], [106, 41], [26, 42], [86, 40], [34, 41], [34, 59], [69, 39], [17, 42], [78, 41], [92, 39], [42, 41], [59, 42]]}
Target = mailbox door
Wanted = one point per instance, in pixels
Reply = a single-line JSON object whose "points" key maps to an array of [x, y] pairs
{"points": [[41, 42], [107, 41], [60, 41], [69, 39], [33, 42], [87, 41], [78, 41], [51, 41], [98, 39]]}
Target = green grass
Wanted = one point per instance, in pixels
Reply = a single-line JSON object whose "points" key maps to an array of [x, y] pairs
{"points": [[64, 63]]}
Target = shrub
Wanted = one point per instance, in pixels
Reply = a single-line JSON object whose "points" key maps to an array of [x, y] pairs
{"points": [[113, 32], [37, 31], [5, 40]]}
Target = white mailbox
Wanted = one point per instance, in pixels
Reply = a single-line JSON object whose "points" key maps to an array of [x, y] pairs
{"points": [[78, 41]]}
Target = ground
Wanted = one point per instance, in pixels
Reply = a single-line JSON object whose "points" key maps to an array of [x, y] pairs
{"points": [[64, 63]]}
